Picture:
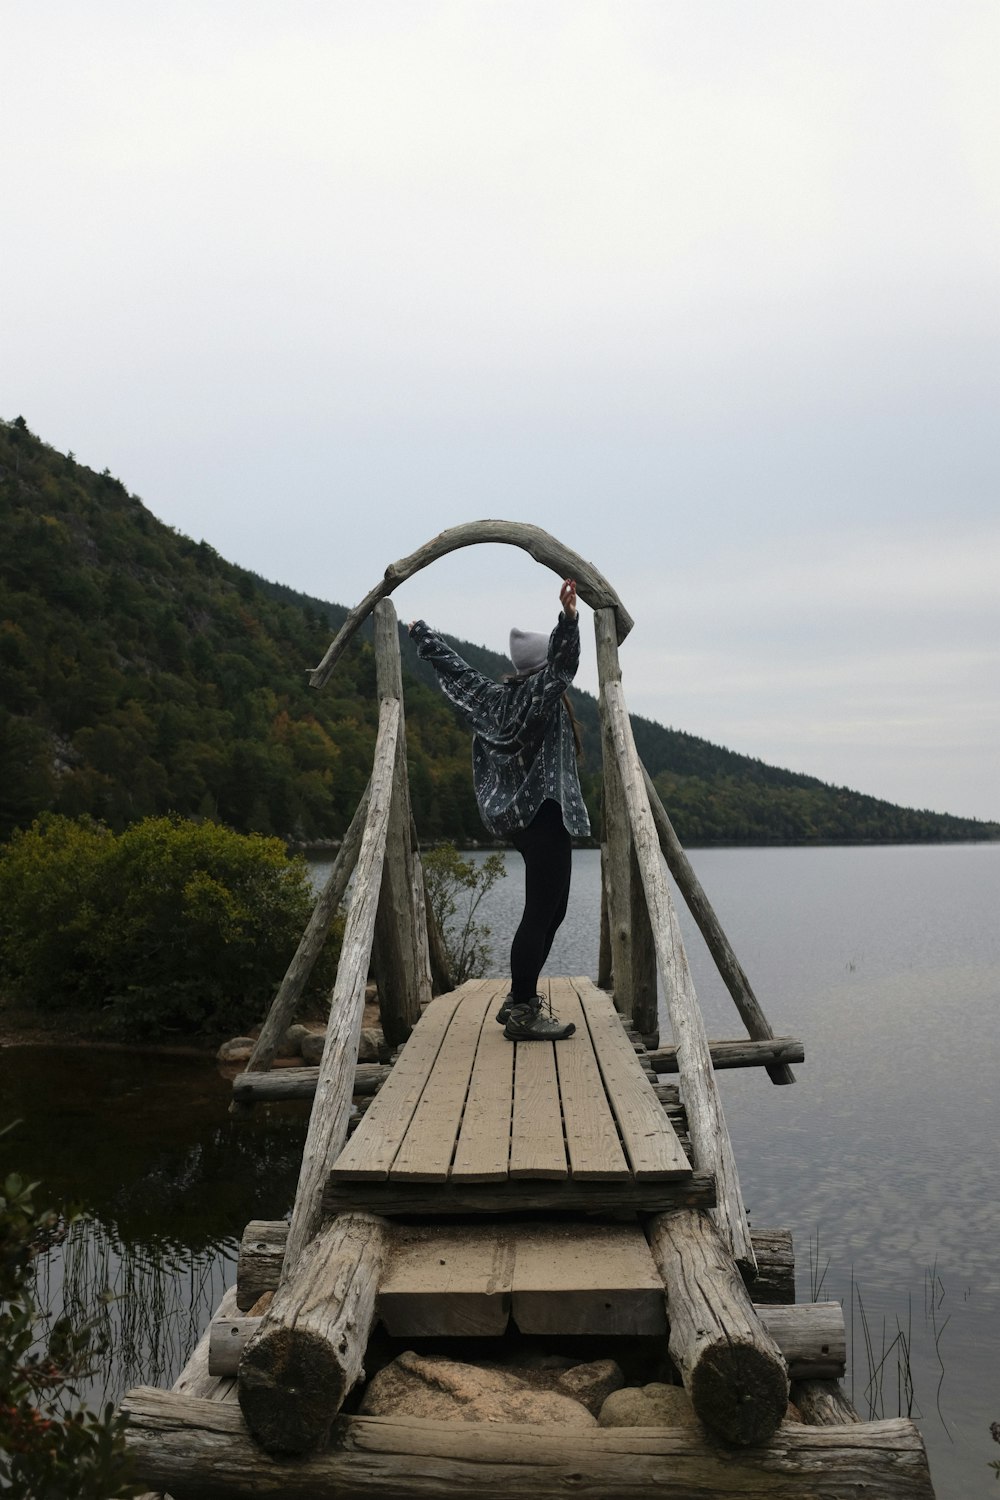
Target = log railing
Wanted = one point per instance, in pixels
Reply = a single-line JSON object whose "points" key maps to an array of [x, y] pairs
{"points": [[709, 1133]]}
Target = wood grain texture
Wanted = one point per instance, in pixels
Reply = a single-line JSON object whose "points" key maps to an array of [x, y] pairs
{"points": [[448, 1280], [309, 1349], [520, 1195], [592, 586], [574, 1279], [483, 1151], [536, 1137], [735, 1054], [332, 1102], [651, 1146], [395, 951], [732, 1369], [426, 1150], [372, 1149], [592, 1144], [201, 1448]]}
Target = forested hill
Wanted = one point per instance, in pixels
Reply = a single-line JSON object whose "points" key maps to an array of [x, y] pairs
{"points": [[142, 673]]}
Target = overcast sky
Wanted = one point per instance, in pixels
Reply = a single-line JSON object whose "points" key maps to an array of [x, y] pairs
{"points": [[709, 290]]}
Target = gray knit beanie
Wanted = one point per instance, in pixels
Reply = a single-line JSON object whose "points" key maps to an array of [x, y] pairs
{"points": [[528, 650]]}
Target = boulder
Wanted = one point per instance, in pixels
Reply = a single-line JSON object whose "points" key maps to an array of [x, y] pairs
{"points": [[371, 1044], [654, 1405], [312, 1047], [237, 1050], [444, 1390], [296, 1035], [592, 1383]]}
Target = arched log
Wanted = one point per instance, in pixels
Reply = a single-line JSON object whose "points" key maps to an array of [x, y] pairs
{"points": [[592, 586]]}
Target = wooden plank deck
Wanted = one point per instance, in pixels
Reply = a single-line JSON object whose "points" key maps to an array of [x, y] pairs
{"points": [[470, 1121]]}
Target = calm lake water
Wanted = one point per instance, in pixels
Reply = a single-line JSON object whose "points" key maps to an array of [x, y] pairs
{"points": [[882, 1158]]}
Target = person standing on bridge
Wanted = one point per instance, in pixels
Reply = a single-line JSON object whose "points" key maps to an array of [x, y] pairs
{"points": [[525, 748]]}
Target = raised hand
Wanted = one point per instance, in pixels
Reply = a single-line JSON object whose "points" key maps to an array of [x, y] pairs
{"points": [[567, 598]]}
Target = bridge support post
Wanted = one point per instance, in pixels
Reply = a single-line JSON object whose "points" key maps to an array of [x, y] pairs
{"points": [[633, 955], [400, 955]]}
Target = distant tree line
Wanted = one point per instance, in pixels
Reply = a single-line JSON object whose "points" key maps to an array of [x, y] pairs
{"points": [[141, 674]]}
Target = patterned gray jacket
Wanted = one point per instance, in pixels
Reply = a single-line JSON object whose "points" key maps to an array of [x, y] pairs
{"points": [[523, 750]]}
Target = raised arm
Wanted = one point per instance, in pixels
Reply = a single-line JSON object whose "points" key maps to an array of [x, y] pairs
{"points": [[474, 694]]}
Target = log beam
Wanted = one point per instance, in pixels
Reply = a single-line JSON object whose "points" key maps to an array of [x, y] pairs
{"points": [[823, 1403], [300, 1083], [592, 586], [309, 1349], [732, 1369], [735, 1054], [810, 1335], [191, 1447]]}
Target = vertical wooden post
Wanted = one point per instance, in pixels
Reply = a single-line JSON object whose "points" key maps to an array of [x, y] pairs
{"points": [[396, 946], [633, 955], [604, 968]]}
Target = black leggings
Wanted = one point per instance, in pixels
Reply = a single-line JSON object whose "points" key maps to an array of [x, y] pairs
{"points": [[547, 851]]}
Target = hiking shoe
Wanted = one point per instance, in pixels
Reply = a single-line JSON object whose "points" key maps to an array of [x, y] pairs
{"points": [[505, 1009], [527, 1024]]}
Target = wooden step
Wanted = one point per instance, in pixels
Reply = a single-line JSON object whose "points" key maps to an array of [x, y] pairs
{"points": [[565, 1279]]}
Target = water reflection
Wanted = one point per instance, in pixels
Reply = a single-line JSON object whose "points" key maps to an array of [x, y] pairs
{"points": [[165, 1181], [885, 961]]}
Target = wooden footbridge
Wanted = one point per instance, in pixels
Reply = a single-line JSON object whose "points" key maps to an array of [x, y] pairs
{"points": [[552, 1191]]}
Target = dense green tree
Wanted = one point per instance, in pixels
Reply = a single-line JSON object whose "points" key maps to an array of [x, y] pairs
{"points": [[141, 674]]}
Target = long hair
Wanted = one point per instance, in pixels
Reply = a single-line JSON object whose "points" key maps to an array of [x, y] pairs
{"points": [[512, 677], [575, 726]]}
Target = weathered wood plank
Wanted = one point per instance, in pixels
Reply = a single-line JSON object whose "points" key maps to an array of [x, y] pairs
{"points": [[372, 1149], [309, 1349], [592, 1143], [483, 1151], [735, 1054], [200, 1447], [536, 1138], [652, 1147], [592, 586], [520, 1195], [586, 1279], [710, 927], [263, 1247], [731, 1367], [448, 1281], [332, 1102], [427, 1148]]}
